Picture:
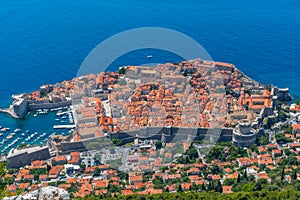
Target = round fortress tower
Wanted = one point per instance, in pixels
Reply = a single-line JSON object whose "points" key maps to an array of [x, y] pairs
{"points": [[244, 135]]}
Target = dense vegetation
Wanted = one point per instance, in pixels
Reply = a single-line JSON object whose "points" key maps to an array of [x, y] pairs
{"points": [[225, 151], [3, 182], [261, 195]]}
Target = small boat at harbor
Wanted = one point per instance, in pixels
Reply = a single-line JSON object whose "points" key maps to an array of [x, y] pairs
{"points": [[17, 130], [4, 129], [9, 137]]}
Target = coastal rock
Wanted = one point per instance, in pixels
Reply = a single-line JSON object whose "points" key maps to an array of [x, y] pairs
{"points": [[47, 193]]}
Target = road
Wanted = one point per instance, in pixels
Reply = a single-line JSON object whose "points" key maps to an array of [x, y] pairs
{"points": [[124, 166], [286, 122]]}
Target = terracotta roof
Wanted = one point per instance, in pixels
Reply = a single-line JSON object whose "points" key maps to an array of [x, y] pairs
{"points": [[24, 186], [11, 188], [227, 189]]}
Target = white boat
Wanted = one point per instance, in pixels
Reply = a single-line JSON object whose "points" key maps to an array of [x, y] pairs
{"points": [[35, 115], [17, 130], [9, 137], [4, 129], [150, 56], [23, 134]]}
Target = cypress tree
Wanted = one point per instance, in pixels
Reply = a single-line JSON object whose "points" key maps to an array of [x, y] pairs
{"points": [[179, 189], [282, 174], [209, 188], [245, 175], [203, 188], [194, 186], [219, 187], [238, 179], [294, 177]]}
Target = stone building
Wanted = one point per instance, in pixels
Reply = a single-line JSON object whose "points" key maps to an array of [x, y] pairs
{"points": [[20, 157], [244, 135]]}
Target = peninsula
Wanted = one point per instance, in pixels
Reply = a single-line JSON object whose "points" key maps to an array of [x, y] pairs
{"points": [[190, 126]]}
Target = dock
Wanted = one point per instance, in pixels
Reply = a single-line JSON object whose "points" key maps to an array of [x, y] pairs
{"points": [[10, 111], [69, 126], [63, 113]]}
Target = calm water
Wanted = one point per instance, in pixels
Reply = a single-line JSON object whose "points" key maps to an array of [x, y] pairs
{"points": [[46, 41]]}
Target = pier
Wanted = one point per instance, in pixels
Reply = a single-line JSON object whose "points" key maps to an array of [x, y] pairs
{"points": [[69, 126], [10, 112], [63, 113]]}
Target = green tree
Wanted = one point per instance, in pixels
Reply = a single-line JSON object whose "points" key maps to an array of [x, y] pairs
{"points": [[219, 187], [194, 186], [282, 116], [192, 153], [2, 170], [245, 175], [203, 188], [179, 188], [282, 173], [22, 145], [229, 182], [273, 188], [122, 70], [116, 141], [123, 175], [97, 171], [82, 167], [238, 180], [158, 144], [294, 177]]}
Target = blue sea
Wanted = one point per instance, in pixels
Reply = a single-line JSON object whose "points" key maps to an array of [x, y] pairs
{"points": [[45, 41]]}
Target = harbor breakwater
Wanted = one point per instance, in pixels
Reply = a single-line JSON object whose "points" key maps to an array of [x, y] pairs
{"points": [[21, 105]]}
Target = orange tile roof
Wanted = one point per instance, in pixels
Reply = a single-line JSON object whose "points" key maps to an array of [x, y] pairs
{"points": [[37, 162], [100, 192], [100, 183], [296, 127], [133, 179], [24, 186], [11, 188], [227, 189], [263, 175], [71, 180], [233, 176], [186, 186]]}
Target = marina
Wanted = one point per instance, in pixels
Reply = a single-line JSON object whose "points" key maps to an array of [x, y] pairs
{"points": [[36, 129]]}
